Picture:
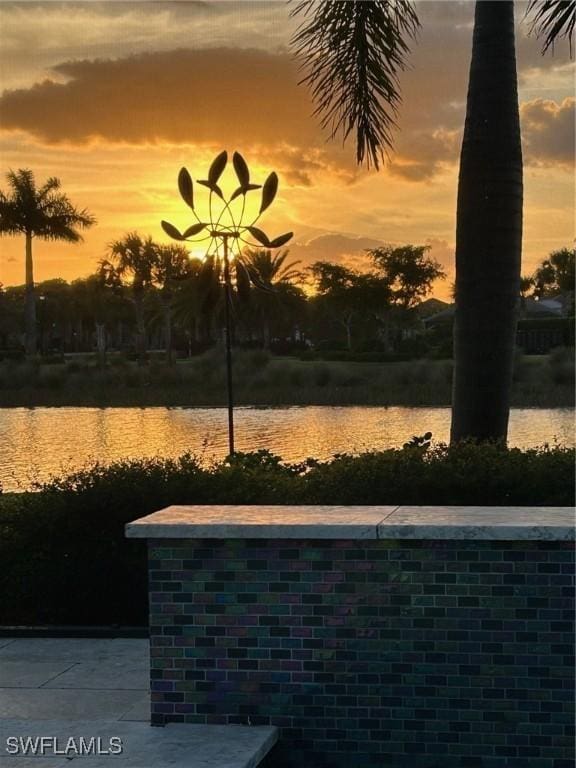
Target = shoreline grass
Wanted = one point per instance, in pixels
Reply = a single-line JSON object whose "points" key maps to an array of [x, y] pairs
{"points": [[261, 380]]}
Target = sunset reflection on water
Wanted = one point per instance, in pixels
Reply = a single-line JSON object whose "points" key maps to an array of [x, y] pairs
{"points": [[40, 442]]}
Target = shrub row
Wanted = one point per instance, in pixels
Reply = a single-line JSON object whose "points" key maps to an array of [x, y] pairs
{"points": [[65, 559]]}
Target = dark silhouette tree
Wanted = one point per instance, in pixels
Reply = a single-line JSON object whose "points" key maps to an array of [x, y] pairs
{"points": [[526, 288], [556, 274], [345, 295], [197, 299], [97, 305], [44, 213], [131, 263], [353, 52], [409, 272], [171, 265], [271, 276]]}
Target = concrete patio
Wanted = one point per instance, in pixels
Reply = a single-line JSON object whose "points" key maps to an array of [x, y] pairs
{"points": [[99, 688]]}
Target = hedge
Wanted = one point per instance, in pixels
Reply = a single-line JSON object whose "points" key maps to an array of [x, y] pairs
{"points": [[65, 559]]}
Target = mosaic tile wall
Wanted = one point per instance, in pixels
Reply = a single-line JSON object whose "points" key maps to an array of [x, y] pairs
{"points": [[448, 654]]}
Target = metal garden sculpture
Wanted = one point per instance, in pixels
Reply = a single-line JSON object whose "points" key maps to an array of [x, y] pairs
{"points": [[227, 233]]}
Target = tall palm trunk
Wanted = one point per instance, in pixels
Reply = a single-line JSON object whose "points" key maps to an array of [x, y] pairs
{"points": [[30, 302], [266, 334], [140, 326], [168, 327], [488, 232], [100, 343]]}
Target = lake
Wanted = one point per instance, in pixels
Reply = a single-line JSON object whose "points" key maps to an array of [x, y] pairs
{"points": [[40, 442]]}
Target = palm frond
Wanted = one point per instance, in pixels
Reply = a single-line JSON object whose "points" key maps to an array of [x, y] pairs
{"points": [[10, 221], [43, 212], [552, 19], [57, 219], [51, 185], [22, 182], [353, 52]]}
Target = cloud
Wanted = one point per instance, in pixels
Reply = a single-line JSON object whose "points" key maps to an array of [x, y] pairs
{"points": [[334, 247], [425, 154], [219, 97], [233, 96], [443, 252], [58, 31], [181, 96], [549, 132]]}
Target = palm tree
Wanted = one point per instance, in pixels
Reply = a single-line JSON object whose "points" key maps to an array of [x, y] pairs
{"points": [[92, 303], [271, 276], [131, 263], [197, 298], [488, 232], [45, 213], [354, 52], [172, 264], [526, 286]]}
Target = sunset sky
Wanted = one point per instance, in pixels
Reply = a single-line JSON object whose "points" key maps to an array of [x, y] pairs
{"points": [[114, 97]]}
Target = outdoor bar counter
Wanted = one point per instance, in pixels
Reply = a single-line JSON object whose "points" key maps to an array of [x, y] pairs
{"points": [[370, 636]]}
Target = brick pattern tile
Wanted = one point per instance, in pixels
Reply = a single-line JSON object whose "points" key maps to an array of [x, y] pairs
{"points": [[449, 654]]}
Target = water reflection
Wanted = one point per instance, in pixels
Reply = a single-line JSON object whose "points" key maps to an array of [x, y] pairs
{"points": [[40, 442]]}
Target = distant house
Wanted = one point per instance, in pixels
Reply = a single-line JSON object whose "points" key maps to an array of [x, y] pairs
{"points": [[543, 307], [543, 325], [442, 318]]}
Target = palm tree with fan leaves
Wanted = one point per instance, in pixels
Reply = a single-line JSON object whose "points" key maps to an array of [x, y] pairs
{"points": [[171, 266], [130, 264], [353, 53], [38, 212], [273, 280]]}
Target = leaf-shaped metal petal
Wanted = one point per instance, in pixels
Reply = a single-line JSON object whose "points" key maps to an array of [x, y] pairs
{"points": [[171, 230], [241, 169], [218, 165], [194, 229], [269, 191], [281, 240], [243, 190], [186, 187], [257, 234], [212, 186]]}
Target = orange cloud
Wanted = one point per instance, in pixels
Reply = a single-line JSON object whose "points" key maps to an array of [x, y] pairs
{"points": [[244, 97], [549, 132], [181, 96]]}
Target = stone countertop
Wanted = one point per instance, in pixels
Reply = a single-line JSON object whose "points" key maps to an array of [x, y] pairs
{"points": [[356, 522]]}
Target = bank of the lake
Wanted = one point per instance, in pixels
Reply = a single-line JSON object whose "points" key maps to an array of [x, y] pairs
{"points": [[545, 381]]}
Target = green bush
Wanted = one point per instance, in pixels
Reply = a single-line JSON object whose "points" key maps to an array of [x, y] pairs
{"points": [[65, 559]]}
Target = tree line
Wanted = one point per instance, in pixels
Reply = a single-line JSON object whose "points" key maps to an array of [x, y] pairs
{"points": [[148, 294]]}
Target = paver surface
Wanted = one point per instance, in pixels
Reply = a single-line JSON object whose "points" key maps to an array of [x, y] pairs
{"points": [[79, 694]]}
